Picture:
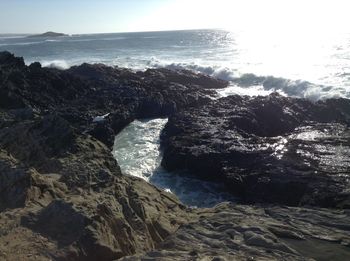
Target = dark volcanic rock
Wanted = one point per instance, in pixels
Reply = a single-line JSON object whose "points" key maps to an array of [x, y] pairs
{"points": [[185, 77], [40, 142], [272, 149], [9, 61], [86, 91], [63, 196]]}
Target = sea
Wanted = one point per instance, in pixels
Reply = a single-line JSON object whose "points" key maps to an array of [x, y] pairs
{"points": [[313, 67]]}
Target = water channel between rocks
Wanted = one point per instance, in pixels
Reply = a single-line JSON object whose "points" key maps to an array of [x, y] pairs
{"points": [[137, 150]]}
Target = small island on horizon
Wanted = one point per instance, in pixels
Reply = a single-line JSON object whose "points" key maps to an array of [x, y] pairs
{"points": [[48, 34]]}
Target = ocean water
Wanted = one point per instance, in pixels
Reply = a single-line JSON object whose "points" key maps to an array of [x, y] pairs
{"points": [[310, 66], [137, 150]]}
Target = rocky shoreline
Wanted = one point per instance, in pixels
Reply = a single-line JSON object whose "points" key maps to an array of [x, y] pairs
{"points": [[63, 196]]}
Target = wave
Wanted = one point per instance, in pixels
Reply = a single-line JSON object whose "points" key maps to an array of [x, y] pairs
{"points": [[294, 88], [96, 39], [22, 44], [4, 37], [58, 64], [241, 84], [53, 40], [223, 73], [253, 85], [150, 37], [246, 91]]}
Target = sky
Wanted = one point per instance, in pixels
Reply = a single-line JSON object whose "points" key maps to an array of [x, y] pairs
{"points": [[104, 16]]}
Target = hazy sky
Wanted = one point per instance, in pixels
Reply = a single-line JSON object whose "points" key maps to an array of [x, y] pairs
{"points": [[88, 16]]}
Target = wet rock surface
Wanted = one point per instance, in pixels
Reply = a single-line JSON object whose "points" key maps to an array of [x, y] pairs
{"points": [[236, 232], [63, 196], [266, 149]]}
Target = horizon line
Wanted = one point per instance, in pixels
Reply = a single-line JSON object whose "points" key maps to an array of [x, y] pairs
{"points": [[117, 32]]}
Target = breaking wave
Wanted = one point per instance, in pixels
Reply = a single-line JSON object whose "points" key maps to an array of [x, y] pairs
{"points": [[223, 73], [23, 43], [293, 88], [52, 40], [241, 84], [253, 85], [58, 64]]}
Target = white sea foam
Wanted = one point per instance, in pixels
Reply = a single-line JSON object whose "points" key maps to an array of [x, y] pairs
{"points": [[137, 151], [100, 118], [58, 64], [256, 90], [80, 40], [244, 84], [52, 40], [253, 85], [294, 88], [23, 43], [223, 73]]}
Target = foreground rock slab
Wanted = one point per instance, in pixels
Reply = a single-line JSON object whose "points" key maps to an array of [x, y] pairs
{"points": [[63, 197], [122, 219], [240, 232]]}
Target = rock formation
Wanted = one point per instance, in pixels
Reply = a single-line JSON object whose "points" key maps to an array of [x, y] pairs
{"points": [[47, 35], [63, 196], [267, 149]]}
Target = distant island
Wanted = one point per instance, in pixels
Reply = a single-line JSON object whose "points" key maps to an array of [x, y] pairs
{"points": [[48, 34]]}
